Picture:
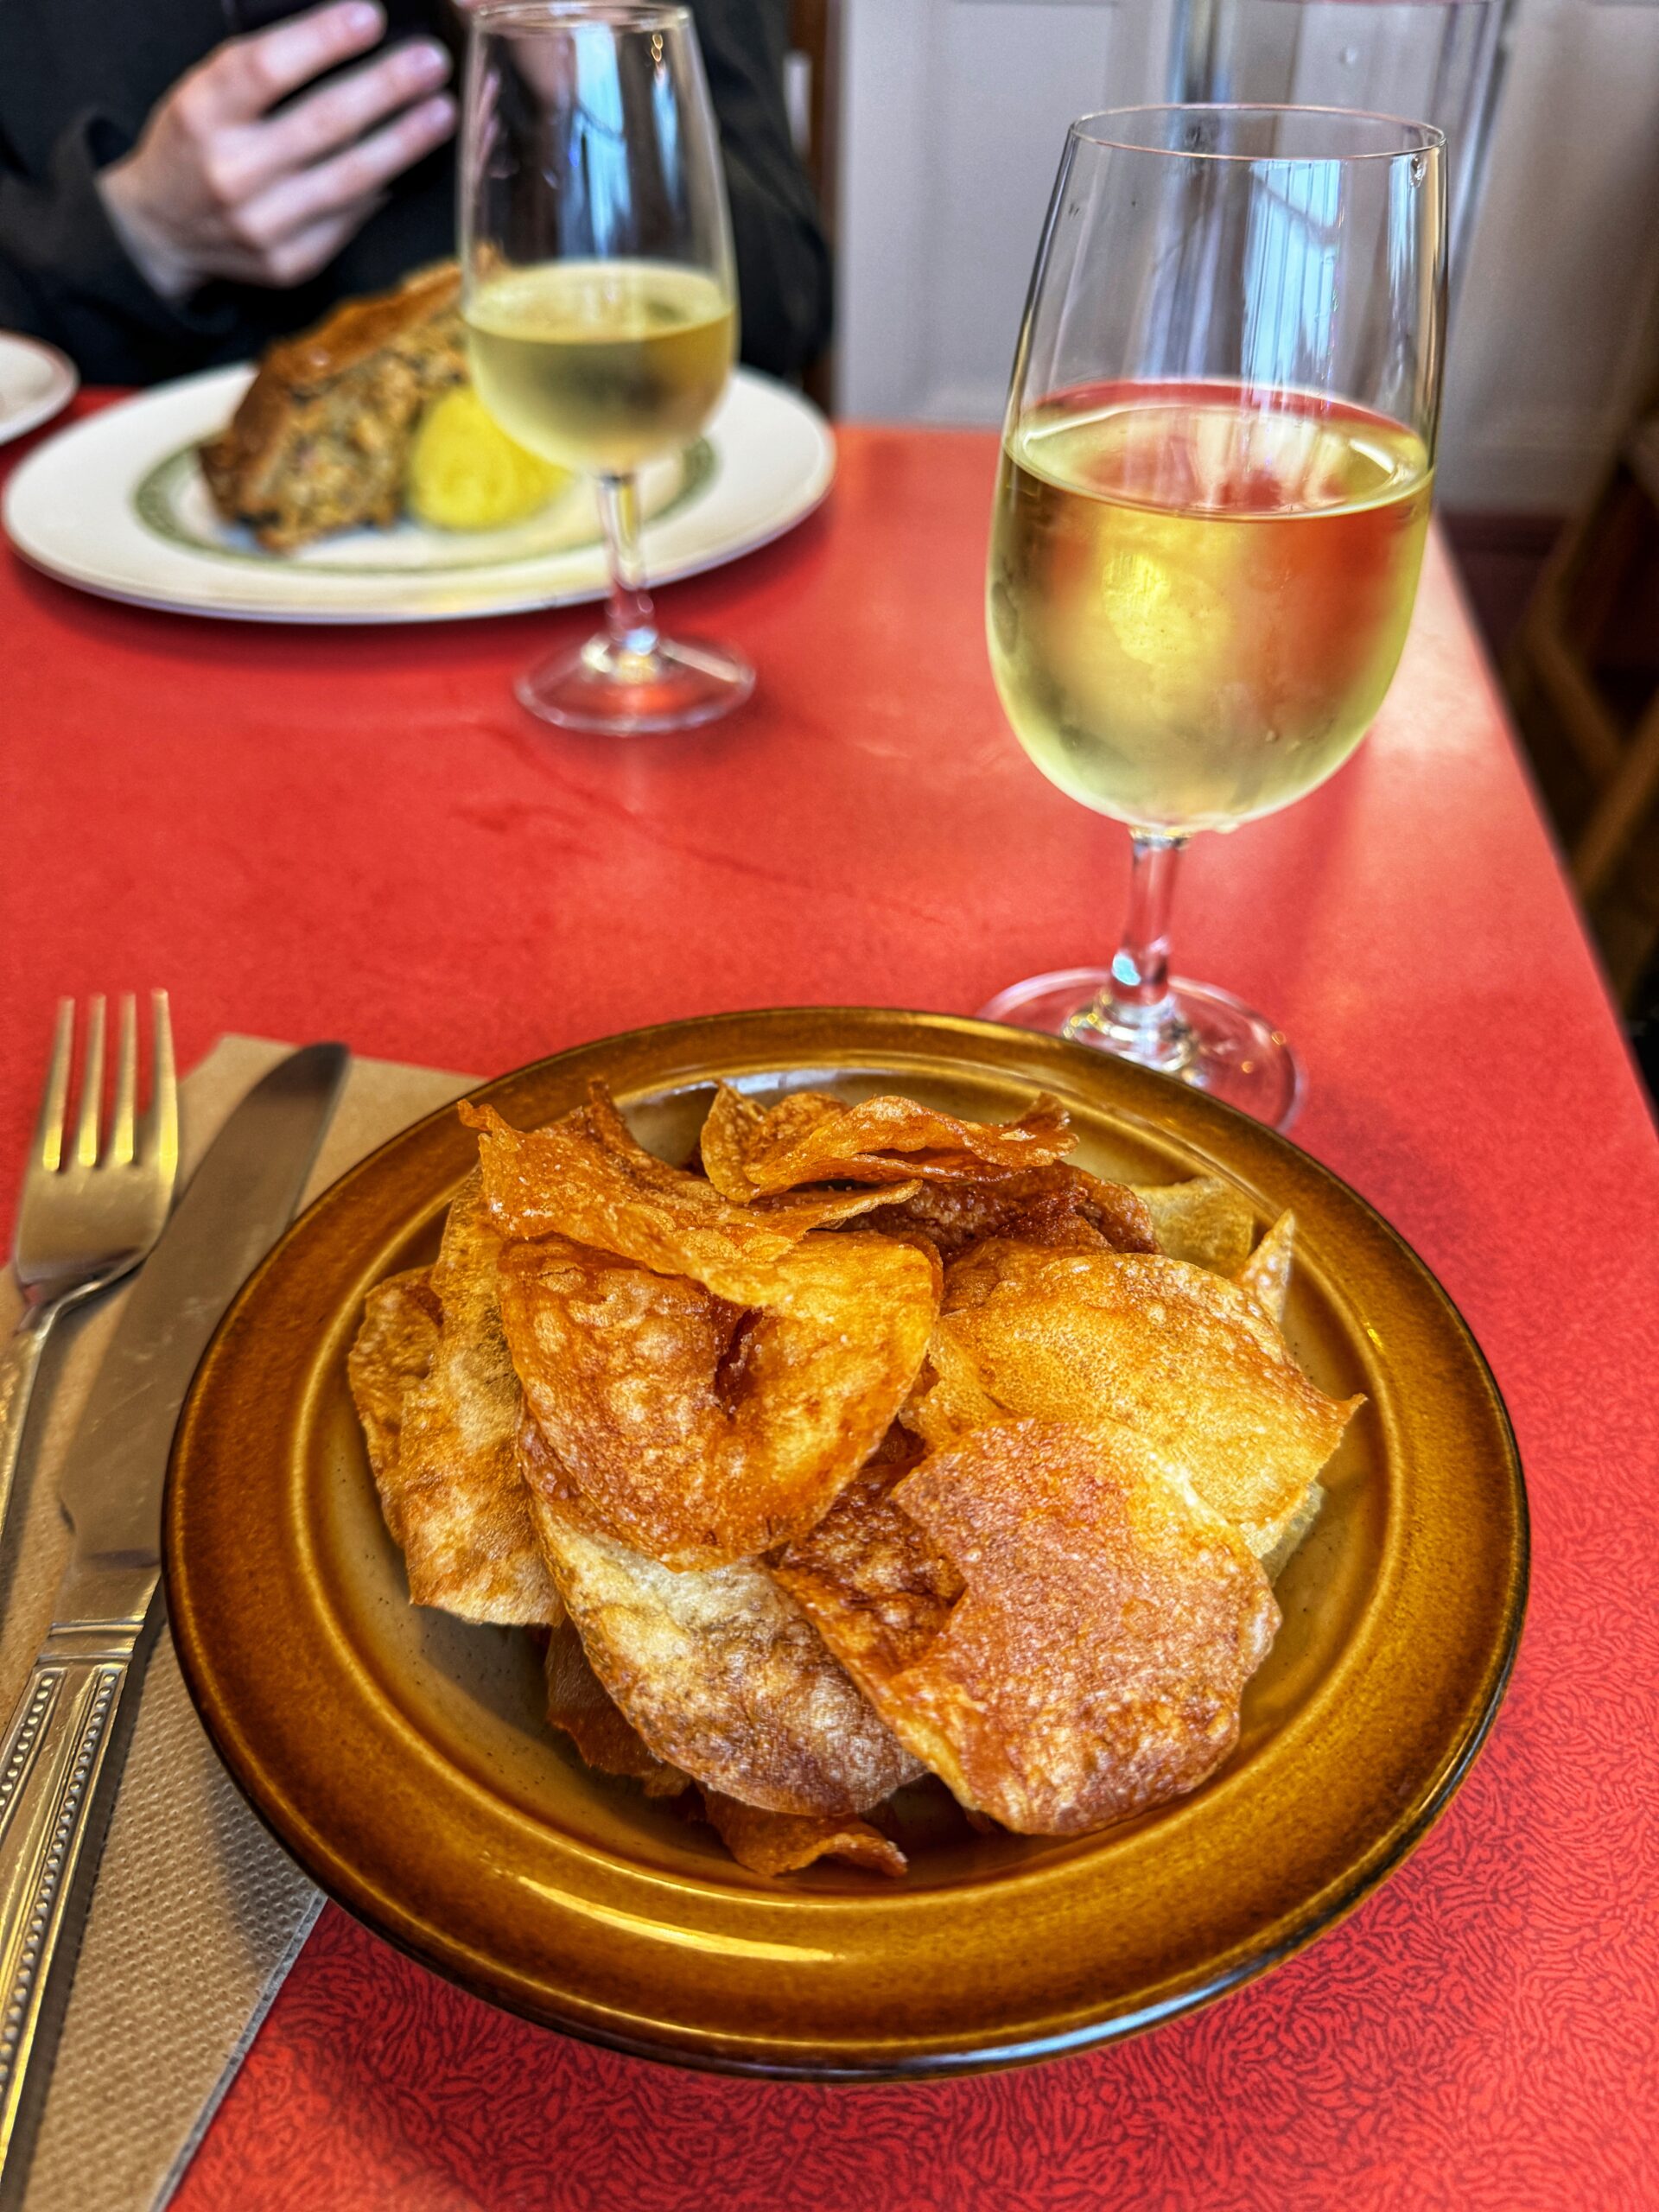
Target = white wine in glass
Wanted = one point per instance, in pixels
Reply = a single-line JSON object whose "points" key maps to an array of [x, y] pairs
{"points": [[601, 365], [600, 303], [1211, 510]]}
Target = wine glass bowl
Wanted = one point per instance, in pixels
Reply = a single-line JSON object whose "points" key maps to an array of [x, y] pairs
{"points": [[1211, 509], [600, 296]]}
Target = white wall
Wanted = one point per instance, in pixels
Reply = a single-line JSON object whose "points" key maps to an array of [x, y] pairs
{"points": [[1558, 326], [954, 112]]}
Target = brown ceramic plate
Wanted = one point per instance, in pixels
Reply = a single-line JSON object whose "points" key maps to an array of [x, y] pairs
{"points": [[401, 1756]]}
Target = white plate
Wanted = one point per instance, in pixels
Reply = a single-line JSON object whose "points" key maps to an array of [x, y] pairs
{"points": [[35, 380], [116, 504]]}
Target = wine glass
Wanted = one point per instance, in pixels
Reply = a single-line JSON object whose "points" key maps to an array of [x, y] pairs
{"points": [[1211, 510], [601, 301]]}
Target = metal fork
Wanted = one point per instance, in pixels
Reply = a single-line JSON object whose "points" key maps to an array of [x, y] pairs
{"points": [[92, 1209]]}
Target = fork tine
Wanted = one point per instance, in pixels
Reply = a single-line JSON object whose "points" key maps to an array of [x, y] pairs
{"points": [[48, 1130], [160, 1126], [92, 1087], [126, 1084]]}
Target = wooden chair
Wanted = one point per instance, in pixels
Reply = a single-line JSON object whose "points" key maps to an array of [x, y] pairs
{"points": [[1585, 663]]}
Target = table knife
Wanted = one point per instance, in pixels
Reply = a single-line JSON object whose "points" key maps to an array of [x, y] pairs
{"points": [[56, 1776]]}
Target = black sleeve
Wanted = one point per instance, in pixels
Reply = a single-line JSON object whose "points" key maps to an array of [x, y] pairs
{"points": [[65, 277], [783, 259]]}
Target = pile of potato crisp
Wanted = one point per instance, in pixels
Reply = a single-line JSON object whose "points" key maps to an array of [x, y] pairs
{"points": [[872, 1442]]}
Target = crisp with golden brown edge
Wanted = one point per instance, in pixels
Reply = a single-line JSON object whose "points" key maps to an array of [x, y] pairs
{"points": [[392, 1351], [1189, 1361], [1205, 1220], [704, 1421], [752, 1152], [453, 1498], [1266, 1274], [1061, 1207], [721, 1673], [1094, 1664], [600, 1119], [578, 1707], [1275, 1562], [579, 1178], [782, 1843], [869, 1569], [708, 1377], [767, 1843]]}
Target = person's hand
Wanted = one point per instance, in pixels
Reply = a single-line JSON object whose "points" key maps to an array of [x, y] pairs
{"points": [[218, 187]]}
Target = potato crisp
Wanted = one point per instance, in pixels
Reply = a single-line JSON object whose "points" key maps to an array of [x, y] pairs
{"points": [[751, 1151], [449, 1487], [722, 1675], [1193, 1363], [1058, 1207], [707, 1415], [767, 1843], [1094, 1663], [782, 1843], [1266, 1274]]}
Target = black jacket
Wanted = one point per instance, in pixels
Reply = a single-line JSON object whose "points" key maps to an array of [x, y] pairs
{"points": [[79, 77]]}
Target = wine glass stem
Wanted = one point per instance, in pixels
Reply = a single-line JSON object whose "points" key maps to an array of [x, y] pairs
{"points": [[631, 619], [1137, 1013]]}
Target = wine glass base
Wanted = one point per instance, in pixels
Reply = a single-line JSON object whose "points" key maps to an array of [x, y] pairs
{"points": [[1234, 1053], [605, 688]]}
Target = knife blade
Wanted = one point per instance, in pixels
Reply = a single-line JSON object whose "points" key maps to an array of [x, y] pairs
{"points": [[57, 1771], [234, 1207]]}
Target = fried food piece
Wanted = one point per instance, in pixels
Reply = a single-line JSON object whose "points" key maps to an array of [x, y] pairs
{"points": [[1266, 1274], [767, 1843], [320, 440], [577, 1706], [1061, 1207], [1275, 1562], [737, 1127], [455, 1501], [1094, 1663], [1189, 1361], [1206, 1221], [721, 1673], [585, 1177], [868, 1570], [706, 1403], [782, 1843], [392, 1351], [602, 1119], [751, 1151]]}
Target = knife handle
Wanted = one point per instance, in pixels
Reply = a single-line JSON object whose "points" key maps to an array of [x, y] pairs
{"points": [[52, 1759]]}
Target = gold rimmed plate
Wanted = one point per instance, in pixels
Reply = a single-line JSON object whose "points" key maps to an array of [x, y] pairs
{"points": [[401, 1755]]}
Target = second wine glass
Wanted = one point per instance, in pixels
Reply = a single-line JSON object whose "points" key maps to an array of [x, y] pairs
{"points": [[1210, 512], [600, 303]]}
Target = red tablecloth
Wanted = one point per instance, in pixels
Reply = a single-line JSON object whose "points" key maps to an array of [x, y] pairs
{"points": [[358, 834]]}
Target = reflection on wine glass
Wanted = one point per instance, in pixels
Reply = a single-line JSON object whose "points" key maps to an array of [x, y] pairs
{"points": [[1211, 509], [600, 303]]}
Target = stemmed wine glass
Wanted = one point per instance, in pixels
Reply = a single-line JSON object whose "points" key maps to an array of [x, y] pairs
{"points": [[1211, 510], [601, 301]]}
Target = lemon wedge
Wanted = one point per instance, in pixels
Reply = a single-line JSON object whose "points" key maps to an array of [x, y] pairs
{"points": [[465, 472]]}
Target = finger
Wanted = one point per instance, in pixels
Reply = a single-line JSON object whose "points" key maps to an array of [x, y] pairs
{"points": [[295, 257], [305, 252], [242, 78], [331, 118], [314, 194]]}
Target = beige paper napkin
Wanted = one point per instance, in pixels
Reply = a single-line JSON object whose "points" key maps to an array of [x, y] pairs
{"points": [[198, 1913]]}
